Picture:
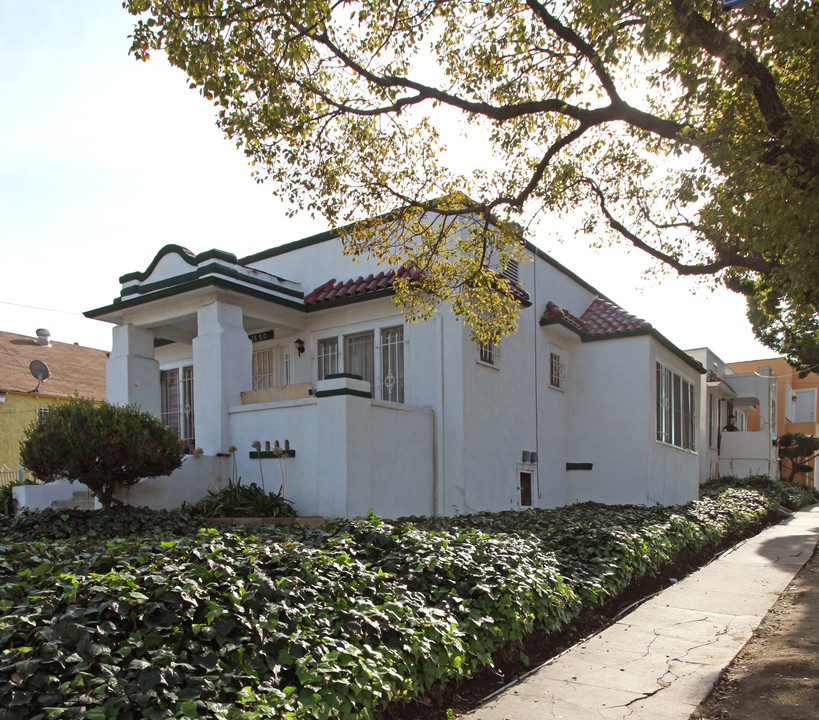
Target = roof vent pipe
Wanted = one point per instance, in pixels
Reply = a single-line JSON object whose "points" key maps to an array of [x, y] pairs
{"points": [[43, 337]]}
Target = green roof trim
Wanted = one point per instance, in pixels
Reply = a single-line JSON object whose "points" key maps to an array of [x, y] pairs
{"points": [[183, 252], [343, 391], [217, 282], [205, 270], [658, 336]]}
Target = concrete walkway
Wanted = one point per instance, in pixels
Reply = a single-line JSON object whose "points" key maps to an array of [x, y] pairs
{"points": [[661, 660]]}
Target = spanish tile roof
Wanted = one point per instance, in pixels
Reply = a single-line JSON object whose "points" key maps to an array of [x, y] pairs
{"points": [[336, 290], [73, 368], [602, 317]]}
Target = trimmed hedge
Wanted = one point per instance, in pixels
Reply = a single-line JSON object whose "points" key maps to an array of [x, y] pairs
{"points": [[310, 623]]}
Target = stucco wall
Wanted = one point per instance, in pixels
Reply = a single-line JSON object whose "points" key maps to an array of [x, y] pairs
{"points": [[18, 412]]}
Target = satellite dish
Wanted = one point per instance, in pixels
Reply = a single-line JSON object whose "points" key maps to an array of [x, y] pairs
{"points": [[39, 370]]}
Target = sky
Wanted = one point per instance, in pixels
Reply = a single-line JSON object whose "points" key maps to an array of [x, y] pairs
{"points": [[104, 160]]}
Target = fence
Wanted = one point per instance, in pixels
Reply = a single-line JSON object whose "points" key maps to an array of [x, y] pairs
{"points": [[8, 476]]}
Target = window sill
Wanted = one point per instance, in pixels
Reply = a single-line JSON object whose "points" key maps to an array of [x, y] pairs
{"points": [[487, 365]]}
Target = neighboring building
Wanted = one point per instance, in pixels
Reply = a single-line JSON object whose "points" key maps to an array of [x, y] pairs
{"points": [[797, 401], [301, 344], [745, 400], [70, 368]]}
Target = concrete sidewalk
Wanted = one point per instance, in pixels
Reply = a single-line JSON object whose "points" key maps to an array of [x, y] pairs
{"points": [[661, 660]]}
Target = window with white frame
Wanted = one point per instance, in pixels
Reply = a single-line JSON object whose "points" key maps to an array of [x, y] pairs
{"points": [[176, 387], [557, 369], [489, 353], [359, 356], [327, 355], [384, 370], [392, 364], [271, 367], [42, 411], [675, 409]]}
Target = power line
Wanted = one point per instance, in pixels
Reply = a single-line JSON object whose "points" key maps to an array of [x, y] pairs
{"points": [[34, 307]]}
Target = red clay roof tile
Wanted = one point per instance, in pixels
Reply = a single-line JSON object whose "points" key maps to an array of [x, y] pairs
{"points": [[600, 318]]}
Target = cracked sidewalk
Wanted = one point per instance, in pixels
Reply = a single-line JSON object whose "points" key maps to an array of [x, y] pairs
{"points": [[661, 660]]}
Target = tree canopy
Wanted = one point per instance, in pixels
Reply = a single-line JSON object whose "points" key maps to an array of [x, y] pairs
{"points": [[686, 130]]}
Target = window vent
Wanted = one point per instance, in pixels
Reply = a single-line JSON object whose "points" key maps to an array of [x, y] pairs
{"points": [[512, 270]]}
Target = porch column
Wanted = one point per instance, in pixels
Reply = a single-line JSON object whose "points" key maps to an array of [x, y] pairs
{"points": [[222, 368], [131, 372]]}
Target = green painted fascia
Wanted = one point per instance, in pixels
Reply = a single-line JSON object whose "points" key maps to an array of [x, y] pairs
{"points": [[289, 247], [579, 466], [184, 253], [349, 376], [159, 284], [664, 341], [204, 270], [659, 337], [316, 239], [543, 255], [343, 391], [236, 275], [124, 304]]}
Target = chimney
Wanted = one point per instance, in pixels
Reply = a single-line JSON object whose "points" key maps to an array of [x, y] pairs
{"points": [[43, 337]]}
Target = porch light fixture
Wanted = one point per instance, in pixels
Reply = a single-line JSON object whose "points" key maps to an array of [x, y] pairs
{"points": [[299, 343]]}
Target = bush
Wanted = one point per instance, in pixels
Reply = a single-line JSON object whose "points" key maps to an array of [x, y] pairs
{"points": [[237, 500], [104, 446]]}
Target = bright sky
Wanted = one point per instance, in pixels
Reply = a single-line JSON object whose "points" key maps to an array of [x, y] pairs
{"points": [[104, 160]]}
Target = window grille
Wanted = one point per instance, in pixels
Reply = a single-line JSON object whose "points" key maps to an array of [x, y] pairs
{"points": [[177, 412], [489, 353], [264, 368], [42, 411], [557, 371], [188, 435], [392, 364], [169, 383], [327, 357]]}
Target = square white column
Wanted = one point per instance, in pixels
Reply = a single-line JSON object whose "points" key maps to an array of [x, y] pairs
{"points": [[222, 369], [131, 372]]}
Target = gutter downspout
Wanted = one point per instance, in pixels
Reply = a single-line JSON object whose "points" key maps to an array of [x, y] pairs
{"points": [[439, 432]]}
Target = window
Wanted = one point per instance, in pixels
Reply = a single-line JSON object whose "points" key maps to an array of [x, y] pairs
{"points": [[713, 420], [557, 370], [489, 353], [675, 409], [271, 367], [383, 370], [392, 364], [358, 356], [176, 387], [42, 411], [327, 357]]}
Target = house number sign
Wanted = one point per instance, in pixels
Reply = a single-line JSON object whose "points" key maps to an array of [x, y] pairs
{"points": [[261, 336]]}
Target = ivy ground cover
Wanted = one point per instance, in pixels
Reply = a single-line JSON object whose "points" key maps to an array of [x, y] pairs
{"points": [[101, 622]]}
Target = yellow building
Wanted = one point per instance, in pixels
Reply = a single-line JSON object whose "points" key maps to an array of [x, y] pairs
{"points": [[34, 374], [797, 407]]}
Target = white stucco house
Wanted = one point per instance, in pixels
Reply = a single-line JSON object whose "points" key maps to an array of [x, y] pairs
{"points": [[726, 399], [300, 344]]}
